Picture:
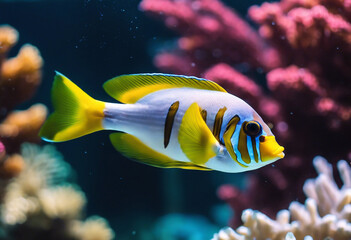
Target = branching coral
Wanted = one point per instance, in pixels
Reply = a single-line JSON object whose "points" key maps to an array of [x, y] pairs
{"points": [[37, 202], [94, 228], [43, 169], [62, 202], [212, 34], [19, 78], [302, 48], [325, 214], [22, 126], [40, 200]]}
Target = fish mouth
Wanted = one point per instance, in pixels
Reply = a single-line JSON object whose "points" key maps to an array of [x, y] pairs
{"points": [[279, 152], [270, 149]]}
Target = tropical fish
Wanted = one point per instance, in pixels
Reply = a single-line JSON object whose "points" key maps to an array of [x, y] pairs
{"points": [[168, 121]]}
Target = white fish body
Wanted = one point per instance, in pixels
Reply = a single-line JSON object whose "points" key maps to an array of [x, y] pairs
{"points": [[146, 118]]}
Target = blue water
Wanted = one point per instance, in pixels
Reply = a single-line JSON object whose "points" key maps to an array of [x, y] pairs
{"points": [[91, 42]]}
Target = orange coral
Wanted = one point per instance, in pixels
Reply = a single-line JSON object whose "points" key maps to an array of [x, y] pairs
{"points": [[42, 200], [22, 126], [8, 38], [11, 166], [19, 76], [35, 196]]}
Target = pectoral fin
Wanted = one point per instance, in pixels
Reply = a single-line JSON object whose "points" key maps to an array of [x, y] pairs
{"points": [[195, 138], [135, 149]]}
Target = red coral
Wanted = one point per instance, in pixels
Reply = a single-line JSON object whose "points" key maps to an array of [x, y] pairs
{"points": [[212, 33], [304, 48]]}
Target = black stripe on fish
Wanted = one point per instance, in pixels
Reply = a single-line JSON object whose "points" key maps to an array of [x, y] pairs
{"points": [[169, 122], [227, 136], [204, 114], [253, 143], [218, 124], [242, 145]]}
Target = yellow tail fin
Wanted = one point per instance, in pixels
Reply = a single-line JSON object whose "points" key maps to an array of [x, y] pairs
{"points": [[76, 113]]}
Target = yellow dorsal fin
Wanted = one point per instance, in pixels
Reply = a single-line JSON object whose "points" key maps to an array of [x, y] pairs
{"points": [[130, 88], [135, 149], [195, 138]]}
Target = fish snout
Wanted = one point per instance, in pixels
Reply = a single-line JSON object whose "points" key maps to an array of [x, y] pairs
{"points": [[270, 150]]}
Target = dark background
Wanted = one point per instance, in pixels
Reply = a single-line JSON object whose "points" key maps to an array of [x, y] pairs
{"points": [[91, 42]]}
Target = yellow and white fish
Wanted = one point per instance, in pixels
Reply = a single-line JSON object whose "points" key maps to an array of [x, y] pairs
{"points": [[167, 121]]}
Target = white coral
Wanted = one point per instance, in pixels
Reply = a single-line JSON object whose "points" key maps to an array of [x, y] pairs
{"points": [[46, 162], [65, 202], [18, 209], [94, 228], [325, 214], [40, 194], [43, 168]]}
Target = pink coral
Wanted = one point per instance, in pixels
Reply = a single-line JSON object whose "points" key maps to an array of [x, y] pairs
{"points": [[303, 47], [2, 151], [209, 36]]}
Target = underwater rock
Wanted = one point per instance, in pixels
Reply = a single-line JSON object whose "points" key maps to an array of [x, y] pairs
{"points": [[302, 49], [41, 202], [325, 214]]}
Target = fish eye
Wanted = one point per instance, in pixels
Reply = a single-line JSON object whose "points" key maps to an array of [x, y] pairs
{"points": [[252, 128]]}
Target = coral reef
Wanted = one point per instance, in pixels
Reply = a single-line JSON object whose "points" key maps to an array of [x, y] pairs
{"points": [[22, 126], [40, 201], [326, 213], [19, 78], [302, 49], [2, 151], [37, 201], [209, 36], [94, 228]]}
